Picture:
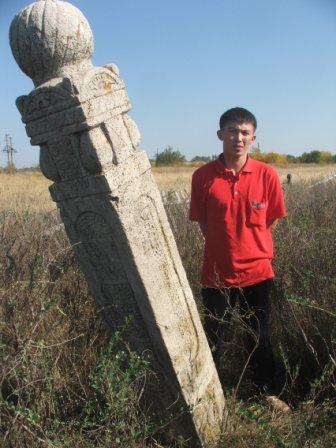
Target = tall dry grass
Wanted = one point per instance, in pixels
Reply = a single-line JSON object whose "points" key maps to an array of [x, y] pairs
{"points": [[25, 191], [179, 177], [29, 190], [64, 382], [308, 173]]}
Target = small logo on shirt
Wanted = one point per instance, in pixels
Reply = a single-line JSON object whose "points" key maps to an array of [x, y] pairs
{"points": [[258, 205]]}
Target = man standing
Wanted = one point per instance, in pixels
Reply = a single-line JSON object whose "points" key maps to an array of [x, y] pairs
{"points": [[237, 201]]}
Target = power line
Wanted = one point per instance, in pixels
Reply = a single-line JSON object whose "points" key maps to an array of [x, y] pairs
{"points": [[10, 151]]}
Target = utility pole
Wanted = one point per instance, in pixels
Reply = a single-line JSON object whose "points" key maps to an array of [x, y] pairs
{"points": [[10, 151]]}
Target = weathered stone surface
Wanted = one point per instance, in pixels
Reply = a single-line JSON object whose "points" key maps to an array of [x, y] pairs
{"points": [[38, 47], [113, 213]]}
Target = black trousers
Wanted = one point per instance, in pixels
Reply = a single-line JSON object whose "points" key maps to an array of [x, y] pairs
{"points": [[253, 306]]}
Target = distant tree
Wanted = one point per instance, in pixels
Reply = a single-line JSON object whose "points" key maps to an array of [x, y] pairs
{"points": [[169, 156], [267, 157], [311, 157], [197, 159], [273, 157], [292, 159], [256, 153], [326, 157]]}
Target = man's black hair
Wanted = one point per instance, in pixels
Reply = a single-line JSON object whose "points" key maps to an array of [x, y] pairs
{"points": [[237, 115]]}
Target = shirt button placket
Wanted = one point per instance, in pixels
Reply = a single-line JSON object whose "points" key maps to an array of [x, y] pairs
{"points": [[235, 187]]}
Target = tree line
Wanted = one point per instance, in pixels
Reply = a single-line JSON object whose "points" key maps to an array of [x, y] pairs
{"points": [[306, 157], [171, 156]]}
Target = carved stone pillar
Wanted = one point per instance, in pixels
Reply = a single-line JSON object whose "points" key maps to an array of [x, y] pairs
{"points": [[113, 213]]}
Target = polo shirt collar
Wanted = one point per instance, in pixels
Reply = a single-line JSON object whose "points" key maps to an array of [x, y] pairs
{"points": [[221, 168], [249, 165]]}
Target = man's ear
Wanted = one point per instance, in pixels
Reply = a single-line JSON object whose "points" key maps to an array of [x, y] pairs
{"points": [[254, 137], [220, 135]]}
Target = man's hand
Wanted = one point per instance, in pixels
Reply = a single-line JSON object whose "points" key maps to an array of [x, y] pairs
{"points": [[273, 224]]}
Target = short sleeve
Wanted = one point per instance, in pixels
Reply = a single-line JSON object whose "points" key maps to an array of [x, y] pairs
{"points": [[197, 210], [276, 204]]}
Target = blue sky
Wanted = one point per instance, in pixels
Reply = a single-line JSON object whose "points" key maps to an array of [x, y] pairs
{"points": [[185, 62]]}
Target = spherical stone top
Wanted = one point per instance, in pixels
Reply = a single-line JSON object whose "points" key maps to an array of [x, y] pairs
{"points": [[47, 36]]}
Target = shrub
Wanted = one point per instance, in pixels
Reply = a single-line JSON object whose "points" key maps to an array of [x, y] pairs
{"points": [[198, 159], [169, 156]]}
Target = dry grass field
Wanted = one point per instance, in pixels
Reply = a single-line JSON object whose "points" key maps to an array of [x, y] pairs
{"points": [[29, 190], [65, 383], [178, 178]]}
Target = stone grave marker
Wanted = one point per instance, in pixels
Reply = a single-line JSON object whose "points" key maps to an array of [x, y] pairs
{"points": [[113, 214]]}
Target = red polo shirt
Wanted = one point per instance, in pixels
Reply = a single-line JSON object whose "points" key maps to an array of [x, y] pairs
{"points": [[237, 211]]}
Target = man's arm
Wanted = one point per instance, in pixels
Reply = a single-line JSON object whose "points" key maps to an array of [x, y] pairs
{"points": [[276, 205], [197, 209], [202, 227]]}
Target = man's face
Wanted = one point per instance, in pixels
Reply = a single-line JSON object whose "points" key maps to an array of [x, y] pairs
{"points": [[237, 139]]}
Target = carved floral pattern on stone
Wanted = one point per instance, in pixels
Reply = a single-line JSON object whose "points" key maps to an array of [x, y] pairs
{"points": [[65, 158], [102, 82], [97, 154], [47, 165]]}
